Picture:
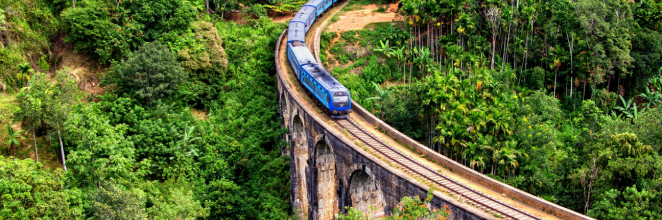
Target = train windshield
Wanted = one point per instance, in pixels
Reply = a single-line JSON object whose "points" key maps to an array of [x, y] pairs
{"points": [[342, 98]]}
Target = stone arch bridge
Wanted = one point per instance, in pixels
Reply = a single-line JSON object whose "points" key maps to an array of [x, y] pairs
{"points": [[329, 172]]}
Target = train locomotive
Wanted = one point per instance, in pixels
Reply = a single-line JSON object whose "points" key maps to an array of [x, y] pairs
{"points": [[333, 97]]}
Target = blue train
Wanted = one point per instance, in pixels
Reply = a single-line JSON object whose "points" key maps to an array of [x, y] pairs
{"points": [[319, 82]]}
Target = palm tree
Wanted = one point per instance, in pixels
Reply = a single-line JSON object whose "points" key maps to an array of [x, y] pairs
{"points": [[493, 16], [499, 117], [556, 65], [509, 157], [399, 54], [12, 139], [23, 76], [496, 154]]}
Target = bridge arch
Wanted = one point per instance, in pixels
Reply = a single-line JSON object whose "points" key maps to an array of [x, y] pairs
{"points": [[325, 179], [301, 162], [365, 195]]}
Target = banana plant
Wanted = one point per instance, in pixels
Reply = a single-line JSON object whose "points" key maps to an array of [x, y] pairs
{"points": [[12, 138], [381, 94], [657, 83], [629, 108], [653, 98], [384, 48]]}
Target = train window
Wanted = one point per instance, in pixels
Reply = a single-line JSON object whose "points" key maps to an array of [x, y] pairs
{"points": [[343, 98]]}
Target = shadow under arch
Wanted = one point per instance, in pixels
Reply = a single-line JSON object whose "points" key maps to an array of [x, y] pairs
{"points": [[364, 194], [325, 179]]}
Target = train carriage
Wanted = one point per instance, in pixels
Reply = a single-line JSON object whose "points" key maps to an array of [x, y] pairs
{"points": [[327, 90], [318, 5], [306, 15], [299, 54], [333, 95], [296, 31]]}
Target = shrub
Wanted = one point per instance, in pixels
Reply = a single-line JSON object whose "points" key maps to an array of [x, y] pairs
{"points": [[28, 191], [256, 10], [150, 74], [112, 31], [535, 78]]}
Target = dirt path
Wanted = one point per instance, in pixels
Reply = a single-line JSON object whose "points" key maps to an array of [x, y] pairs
{"points": [[329, 55], [356, 20]]}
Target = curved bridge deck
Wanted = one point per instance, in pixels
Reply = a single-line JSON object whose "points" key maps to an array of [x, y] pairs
{"points": [[361, 132]]}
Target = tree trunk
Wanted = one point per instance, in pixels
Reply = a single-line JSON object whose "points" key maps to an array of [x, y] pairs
{"points": [[572, 67], [505, 49], [34, 137], [223, 11], [493, 47], [572, 83], [411, 45], [555, 74], [410, 70], [64, 163], [584, 93]]}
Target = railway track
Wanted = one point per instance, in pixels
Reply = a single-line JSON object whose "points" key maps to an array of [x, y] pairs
{"points": [[417, 169]]}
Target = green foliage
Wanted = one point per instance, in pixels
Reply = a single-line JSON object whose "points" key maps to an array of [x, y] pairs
{"points": [[229, 164], [111, 157], [27, 28], [653, 98], [205, 59], [29, 191], [628, 108], [408, 208], [94, 29], [282, 6], [544, 105], [43, 65], [111, 201], [12, 139], [23, 74], [2, 20], [175, 202], [256, 10], [112, 30], [542, 130], [152, 73], [647, 54], [47, 102], [536, 78], [628, 204]]}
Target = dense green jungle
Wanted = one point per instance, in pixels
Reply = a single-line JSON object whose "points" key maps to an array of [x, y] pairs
{"points": [[558, 98], [167, 109]]}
